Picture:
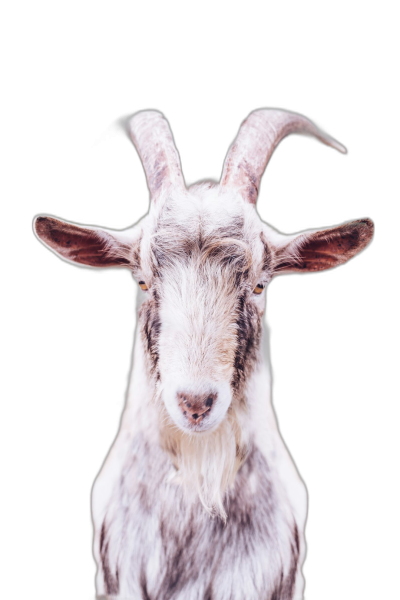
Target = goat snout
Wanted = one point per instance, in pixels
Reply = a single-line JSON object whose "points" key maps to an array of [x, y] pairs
{"points": [[195, 407]]}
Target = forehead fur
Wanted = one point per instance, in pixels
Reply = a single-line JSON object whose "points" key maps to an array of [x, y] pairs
{"points": [[204, 224]]}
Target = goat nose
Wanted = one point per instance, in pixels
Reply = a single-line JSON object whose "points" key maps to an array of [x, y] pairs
{"points": [[196, 407]]}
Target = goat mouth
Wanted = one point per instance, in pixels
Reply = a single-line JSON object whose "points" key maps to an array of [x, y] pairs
{"points": [[200, 417], [196, 419], [196, 407]]}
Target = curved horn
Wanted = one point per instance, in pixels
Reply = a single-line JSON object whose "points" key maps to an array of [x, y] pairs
{"points": [[150, 132], [258, 137]]}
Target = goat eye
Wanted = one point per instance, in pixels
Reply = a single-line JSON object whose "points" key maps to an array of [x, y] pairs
{"points": [[259, 288], [143, 285]]}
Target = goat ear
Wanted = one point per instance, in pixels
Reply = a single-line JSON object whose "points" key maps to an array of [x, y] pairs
{"points": [[87, 245], [323, 249]]}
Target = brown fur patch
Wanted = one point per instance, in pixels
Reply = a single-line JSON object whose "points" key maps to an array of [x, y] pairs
{"points": [[111, 580], [82, 245], [248, 341], [150, 330], [324, 249], [267, 260]]}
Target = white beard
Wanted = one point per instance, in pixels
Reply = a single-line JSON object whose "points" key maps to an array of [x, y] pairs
{"points": [[207, 463]]}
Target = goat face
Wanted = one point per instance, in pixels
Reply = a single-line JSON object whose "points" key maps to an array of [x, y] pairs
{"points": [[205, 266], [204, 258]]}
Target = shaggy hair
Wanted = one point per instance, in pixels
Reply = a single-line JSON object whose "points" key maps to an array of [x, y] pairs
{"points": [[208, 464], [216, 261], [199, 498]]}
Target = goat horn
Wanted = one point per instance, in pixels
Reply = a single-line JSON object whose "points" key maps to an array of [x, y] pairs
{"points": [[258, 137], [151, 134]]}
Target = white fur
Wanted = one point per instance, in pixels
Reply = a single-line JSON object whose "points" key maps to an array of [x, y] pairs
{"points": [[213, 508], [193, 323]]}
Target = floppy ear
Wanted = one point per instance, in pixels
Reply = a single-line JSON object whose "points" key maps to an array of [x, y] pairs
{"points": [[323, 249], [87, 245]]}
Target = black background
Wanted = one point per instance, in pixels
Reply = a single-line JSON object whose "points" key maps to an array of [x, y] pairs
{"points": [[80, 75]]}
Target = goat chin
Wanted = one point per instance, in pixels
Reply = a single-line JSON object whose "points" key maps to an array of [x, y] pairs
{"points": [[207, 463]]}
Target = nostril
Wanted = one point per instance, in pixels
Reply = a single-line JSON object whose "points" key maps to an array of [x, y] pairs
{"points": [[196, 407]]}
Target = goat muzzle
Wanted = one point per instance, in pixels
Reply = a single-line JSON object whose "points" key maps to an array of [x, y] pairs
{"points": [[196, 407]]}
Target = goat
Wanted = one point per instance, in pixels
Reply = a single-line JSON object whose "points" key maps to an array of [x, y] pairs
{"points": [[198, 498]]}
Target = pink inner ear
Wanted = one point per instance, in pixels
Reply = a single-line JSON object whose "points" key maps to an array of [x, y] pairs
{"points": [[81, 245], [325, 249]]}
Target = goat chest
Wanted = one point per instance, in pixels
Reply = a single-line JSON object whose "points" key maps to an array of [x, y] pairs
{"points": [[158, 543]]}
